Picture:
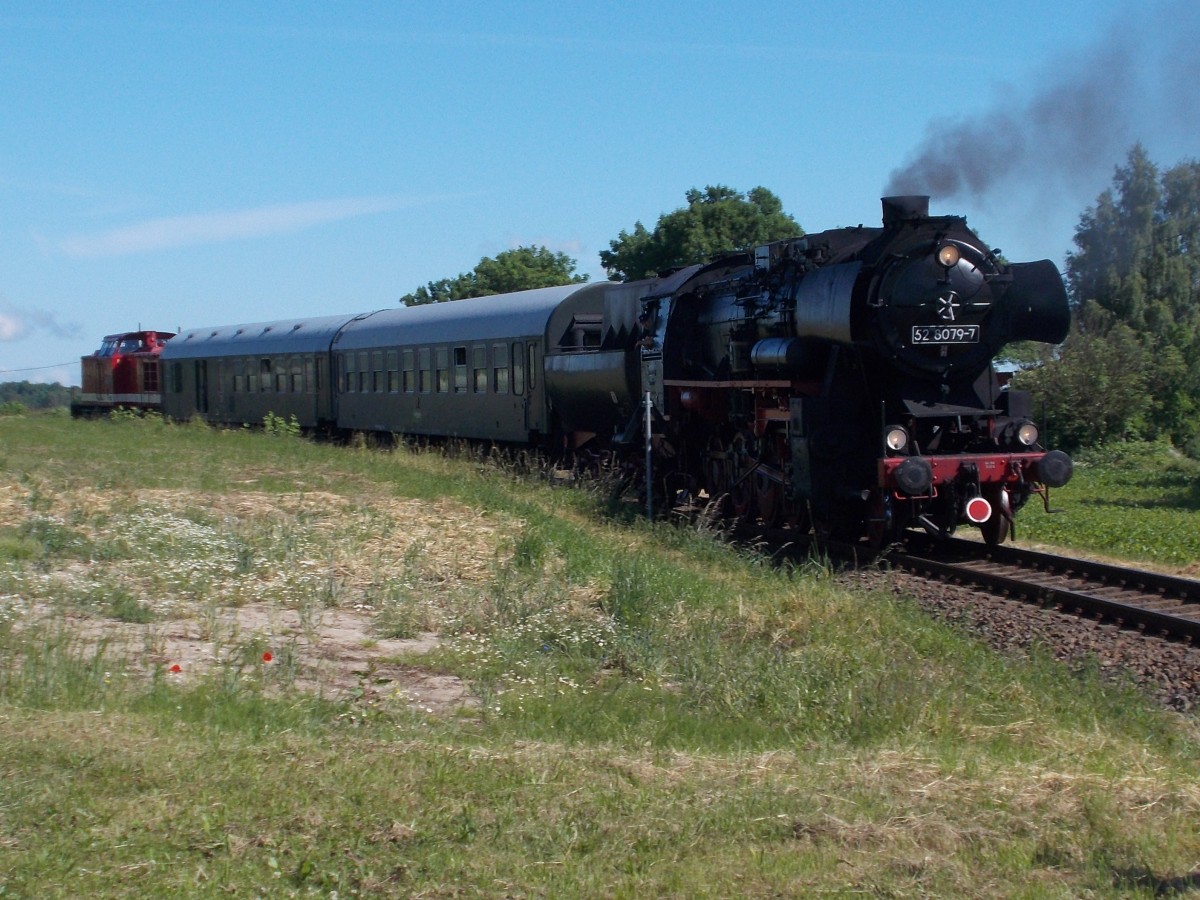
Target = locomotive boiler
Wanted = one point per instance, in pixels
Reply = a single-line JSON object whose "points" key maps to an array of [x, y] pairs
{"points": [[839, 381]]}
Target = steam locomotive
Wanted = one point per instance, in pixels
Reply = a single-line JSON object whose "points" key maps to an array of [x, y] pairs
{"points": [[840, 381]]}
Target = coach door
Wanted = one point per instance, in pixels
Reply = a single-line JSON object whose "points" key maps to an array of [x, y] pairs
{"points": [[535, 408], [202, 386]]}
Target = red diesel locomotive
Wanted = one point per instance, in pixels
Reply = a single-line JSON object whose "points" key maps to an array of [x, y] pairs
{"points": [[124, 373]]}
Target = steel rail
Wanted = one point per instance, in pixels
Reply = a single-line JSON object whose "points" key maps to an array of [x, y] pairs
{"points": [[1043, 578]]}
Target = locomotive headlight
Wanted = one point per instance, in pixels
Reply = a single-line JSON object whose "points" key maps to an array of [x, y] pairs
{"points": [[1027, 434], [895, 439], [949, 255]]}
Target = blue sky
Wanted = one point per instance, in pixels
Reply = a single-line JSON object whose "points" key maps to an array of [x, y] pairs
{"points": [[189, 164]]}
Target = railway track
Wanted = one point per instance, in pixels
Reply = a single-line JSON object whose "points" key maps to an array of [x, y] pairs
{"points": [[1156, 605]]}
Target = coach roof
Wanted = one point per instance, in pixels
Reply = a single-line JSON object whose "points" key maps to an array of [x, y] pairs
{"points": [[257, 339], [519, 315]]}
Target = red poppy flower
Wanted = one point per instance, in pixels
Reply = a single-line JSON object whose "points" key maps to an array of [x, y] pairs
{"points": [[175, 669], [267, 657]]}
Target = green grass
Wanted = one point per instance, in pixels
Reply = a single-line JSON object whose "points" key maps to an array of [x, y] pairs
{"points": [[657, 714], [1131, 501]]}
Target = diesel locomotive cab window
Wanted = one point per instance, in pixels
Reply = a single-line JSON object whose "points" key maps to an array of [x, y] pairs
{"points": [[150, 376], [460, 370], [500, 367]]}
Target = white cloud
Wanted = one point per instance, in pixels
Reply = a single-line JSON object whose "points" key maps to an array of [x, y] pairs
{"points": [[11, 327], [17, 324], [210, 228]]}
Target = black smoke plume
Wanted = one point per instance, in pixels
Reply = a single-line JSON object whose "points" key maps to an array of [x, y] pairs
{"points": [[1141, 82]]}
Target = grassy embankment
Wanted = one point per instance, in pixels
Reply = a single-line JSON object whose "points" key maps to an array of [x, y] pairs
{"points": [[1131, 501], [656, 713]]}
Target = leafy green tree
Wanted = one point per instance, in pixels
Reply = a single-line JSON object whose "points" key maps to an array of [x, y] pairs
{"points": [[35, 395], [716, 220], [520, 269], [1134, 277], [1093, 388]]}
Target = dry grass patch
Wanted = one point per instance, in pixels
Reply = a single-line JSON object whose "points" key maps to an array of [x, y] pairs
{"points": [[187, 583]]}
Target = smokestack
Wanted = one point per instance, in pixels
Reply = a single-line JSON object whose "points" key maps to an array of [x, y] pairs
{"points": [[904, 209]]}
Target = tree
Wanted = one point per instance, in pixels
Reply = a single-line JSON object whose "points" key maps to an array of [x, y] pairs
{"points": [[35, 395], [520, 269], [716, 220], [1093, 389], [1133, 278]]}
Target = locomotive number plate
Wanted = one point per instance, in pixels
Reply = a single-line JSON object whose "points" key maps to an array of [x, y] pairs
{"points": [[945, 334]]}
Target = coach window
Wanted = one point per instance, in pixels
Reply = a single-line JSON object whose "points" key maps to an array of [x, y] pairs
{"points": [[410, 372], [426, 367], [297, 375], [500, 367], [264, 375], [518, 371], [460, 370], [310, 374], [364, 371], [480, 369], [393, 372], [347, 376], [239, 377], [378, 385], [251, 381], [177, 378], [443, 370], [281, 374], [532, 366]]}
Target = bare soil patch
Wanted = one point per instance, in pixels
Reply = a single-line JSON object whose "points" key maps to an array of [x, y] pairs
{"points": [[300, 609], [336, 657]]}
